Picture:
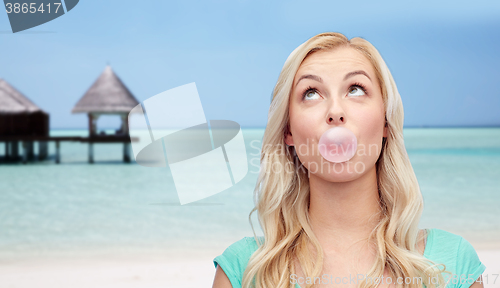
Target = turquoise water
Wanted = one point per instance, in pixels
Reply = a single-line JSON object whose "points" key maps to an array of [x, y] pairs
{"points": [[111, 206]]}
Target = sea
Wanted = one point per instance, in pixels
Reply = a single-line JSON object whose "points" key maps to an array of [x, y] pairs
{"points": [[74, 207]]}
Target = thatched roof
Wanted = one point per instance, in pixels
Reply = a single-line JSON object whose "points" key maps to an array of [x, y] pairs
{"points": [[13, 102], [108, 94]]}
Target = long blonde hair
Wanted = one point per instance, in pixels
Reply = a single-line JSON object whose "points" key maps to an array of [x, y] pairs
{"points": [[282, 197]]}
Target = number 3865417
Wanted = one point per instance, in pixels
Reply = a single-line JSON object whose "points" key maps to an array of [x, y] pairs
{"points": [[32, 8]]}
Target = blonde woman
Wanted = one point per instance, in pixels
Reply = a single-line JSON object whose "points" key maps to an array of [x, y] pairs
{"points": [[347, 224]]}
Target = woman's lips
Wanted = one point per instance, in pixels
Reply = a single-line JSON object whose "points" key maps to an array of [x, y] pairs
{"points": [[337, 144]]}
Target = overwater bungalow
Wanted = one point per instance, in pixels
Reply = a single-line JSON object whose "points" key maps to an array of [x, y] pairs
{"points": [[107, 96], [21, 118]]}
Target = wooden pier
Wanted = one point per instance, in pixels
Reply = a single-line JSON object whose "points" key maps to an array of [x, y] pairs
{"points": [[12, 146]]}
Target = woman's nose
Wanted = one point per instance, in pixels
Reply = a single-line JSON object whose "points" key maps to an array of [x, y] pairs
{"points": [[336, 115], [333, 120]]}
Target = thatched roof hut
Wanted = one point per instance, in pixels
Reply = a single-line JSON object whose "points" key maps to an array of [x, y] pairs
{"points": [[20, 116], [108, 95]]}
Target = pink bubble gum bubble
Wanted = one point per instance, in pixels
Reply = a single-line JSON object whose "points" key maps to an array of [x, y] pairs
{"points": [[338, 144]]}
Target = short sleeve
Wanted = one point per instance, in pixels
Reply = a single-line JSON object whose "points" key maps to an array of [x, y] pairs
{"points": [[234, 260], [468, 266]]}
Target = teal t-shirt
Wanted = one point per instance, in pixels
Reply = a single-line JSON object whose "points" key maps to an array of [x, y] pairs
{"points": [[442, 247]]}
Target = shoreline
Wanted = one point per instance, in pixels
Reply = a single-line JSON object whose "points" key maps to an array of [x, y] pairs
{"points": [[143, 270]]}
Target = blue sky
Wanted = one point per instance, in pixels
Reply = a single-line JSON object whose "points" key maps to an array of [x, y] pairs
{"points": [[445, 56]]}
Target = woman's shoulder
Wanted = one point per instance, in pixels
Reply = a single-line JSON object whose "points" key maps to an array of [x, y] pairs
{"points": [[456, 253], [235, 258], [441, 242], [444, 243]]}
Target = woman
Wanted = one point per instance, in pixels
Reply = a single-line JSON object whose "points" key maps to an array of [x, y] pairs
{"points": [[353, 223]]}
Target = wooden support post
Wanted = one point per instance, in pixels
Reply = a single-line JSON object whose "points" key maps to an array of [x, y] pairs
{"points": [[25, 152], [7, 150], [31, 150], [126, 152], [58, 153], [91, 125], [91, 152], [124, 127], [12, 150], [42, 150]]}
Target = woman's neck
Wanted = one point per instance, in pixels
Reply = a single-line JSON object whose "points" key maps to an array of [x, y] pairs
{"points": [[342, 213]]}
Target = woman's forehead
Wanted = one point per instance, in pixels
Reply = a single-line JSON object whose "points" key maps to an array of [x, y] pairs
{"points": [[335, 61]]}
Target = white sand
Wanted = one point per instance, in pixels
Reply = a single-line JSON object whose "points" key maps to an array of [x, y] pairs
{"points": [[140, 271], [99, 273], [490, 258]]}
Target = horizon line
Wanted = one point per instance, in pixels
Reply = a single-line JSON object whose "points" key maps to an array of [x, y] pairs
{"points": [[264, 127]]}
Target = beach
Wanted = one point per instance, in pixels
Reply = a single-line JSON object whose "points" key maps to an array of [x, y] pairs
{"points": [[112, 224], [144, 272], [108, 272]]}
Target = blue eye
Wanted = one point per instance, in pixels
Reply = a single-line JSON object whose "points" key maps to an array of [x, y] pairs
{"points": [[357, 88], [309, 93]]}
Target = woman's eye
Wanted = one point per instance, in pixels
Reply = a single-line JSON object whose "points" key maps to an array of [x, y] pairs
{"points": [[357, 90], [310, 94]]}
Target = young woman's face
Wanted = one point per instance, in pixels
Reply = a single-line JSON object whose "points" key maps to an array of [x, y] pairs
{"points": [[336, 88]]}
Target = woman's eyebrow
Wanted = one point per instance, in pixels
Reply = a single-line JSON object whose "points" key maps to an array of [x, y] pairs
{"points": [[350, 74], [309, 76], [347, 76]]}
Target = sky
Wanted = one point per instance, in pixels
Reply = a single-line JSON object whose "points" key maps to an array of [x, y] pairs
{"points": [[443, 55]]}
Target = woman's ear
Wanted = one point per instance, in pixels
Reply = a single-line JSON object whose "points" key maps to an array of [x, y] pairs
{"points": [[289, 139], [385, 128], [288, 136]]}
